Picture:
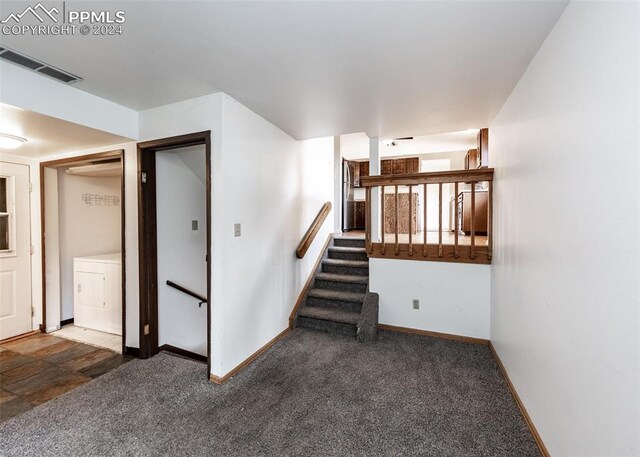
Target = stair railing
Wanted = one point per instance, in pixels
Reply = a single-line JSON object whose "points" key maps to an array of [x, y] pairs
{"points": [[191, 293], [308, 237], [469, 235]]}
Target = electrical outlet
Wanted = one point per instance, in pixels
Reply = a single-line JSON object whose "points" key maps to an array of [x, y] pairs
{"points": [[237, 230], [416, 303], [194, 225]]}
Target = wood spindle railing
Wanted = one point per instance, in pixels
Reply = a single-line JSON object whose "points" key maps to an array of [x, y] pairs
{"points": [[456, 223], [397, 244], [410, 220], [468, 243], [473, 220], [425, 250], [384, 243], [439, 219]]}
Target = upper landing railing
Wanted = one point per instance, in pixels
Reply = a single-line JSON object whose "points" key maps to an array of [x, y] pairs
{"points": [[439, 216]]}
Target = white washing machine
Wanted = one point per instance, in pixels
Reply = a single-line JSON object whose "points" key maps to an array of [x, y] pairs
{"points": [[97, 292]]}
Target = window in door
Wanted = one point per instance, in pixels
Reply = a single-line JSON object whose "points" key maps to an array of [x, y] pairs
{"points": [[6, 216]]}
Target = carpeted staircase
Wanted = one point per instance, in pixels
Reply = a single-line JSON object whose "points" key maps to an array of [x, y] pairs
{"points": [[338, 299]]}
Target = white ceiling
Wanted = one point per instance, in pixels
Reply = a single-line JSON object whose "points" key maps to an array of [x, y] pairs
{"points": [[48, 136], [312, 68], [355, 146]]}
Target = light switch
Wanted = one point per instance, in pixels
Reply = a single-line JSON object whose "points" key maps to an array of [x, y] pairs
{"points": [[237, 230], [194, 225]]}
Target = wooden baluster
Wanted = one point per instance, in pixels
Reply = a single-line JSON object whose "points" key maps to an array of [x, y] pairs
{"points": [[424, 222], [382, 220], [410, 220], [439, 219], [367, 219], [473, 220], [490, 221], [455, 216], [397, 250]]}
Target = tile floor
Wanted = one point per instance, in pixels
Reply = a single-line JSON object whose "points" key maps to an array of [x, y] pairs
{"points": [[88, 336], [37, 368]]}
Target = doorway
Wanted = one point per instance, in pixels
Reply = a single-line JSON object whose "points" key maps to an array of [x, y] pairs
{"points": [[83, 251], [15, 251], [174, 229]]}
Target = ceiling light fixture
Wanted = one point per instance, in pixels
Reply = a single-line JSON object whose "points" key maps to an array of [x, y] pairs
{"points": [[11, 141]]}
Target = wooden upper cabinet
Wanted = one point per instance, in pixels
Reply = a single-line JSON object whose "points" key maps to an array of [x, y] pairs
{"points": [[483, 148], [386, 167], [413, 165], [364, 169], [471, 161], [400, 166]]}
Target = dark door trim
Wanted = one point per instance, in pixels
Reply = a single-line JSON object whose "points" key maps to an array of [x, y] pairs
{"points": [[87, 158], [148, 236]]}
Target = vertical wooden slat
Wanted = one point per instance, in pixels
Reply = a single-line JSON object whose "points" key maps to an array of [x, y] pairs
{"points": [[439, 219], [397, 250], [382, 219], [367, 219], [424, 223], [490, 221], [455, 225], [410, 220], [473, 220]]}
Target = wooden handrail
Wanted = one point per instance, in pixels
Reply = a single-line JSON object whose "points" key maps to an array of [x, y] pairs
{"points": [[436, 177], [184, 290], [308, 237]]}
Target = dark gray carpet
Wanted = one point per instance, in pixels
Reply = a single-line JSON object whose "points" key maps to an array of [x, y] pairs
{"points": [[311, 394]]}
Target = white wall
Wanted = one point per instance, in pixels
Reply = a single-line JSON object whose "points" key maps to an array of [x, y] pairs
{"points": [[565, 281], [454, 298], [181, 198], [266, 179], [84, 229], [28, 90]]}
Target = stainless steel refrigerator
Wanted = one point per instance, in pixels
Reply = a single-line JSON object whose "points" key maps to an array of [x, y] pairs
{"points": [[348, 204]]}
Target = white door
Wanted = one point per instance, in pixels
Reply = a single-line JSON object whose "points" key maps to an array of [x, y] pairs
{"points": [[15, 246]]}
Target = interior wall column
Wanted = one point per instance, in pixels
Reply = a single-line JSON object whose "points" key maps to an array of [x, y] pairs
{"points": [[374, 169], [337, 185]]}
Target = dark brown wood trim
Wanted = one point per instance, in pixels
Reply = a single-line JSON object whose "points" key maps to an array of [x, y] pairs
{"points": [[19, 337], [445, 336], [147, 236], [183, 353], [123, 250], [98, 156], [248, 360], [436, 177], [521, 407], [131, 352], [311, 233], [307, 284], [448, 254]]}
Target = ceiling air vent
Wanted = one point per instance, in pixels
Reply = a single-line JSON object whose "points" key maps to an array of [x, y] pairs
{"points": [[35, 65]]}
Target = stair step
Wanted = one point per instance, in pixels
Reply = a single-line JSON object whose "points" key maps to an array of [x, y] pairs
{"points": [[348, 241], [348, 253], [333, 315], [342, 278], [348, 283], [337, 295], [349, 267]]}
